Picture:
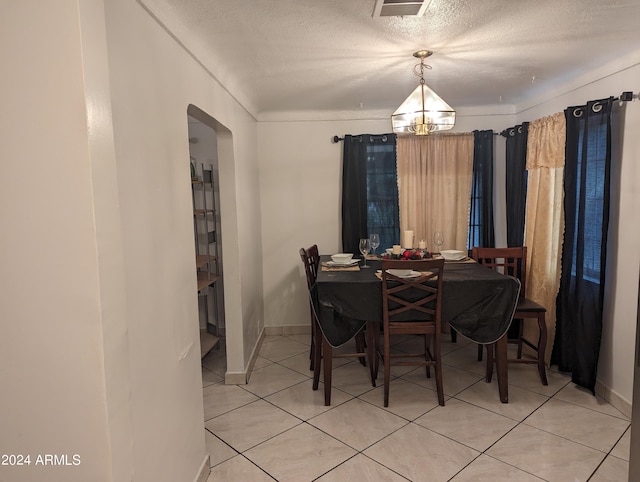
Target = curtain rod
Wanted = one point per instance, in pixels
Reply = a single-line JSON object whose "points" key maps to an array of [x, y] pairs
{"points": [[384, 137], [626, 96]]}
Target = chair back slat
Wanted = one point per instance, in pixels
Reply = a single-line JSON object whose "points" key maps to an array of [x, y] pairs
{"points": [[311, 261], [418, 298], [509, 261]]}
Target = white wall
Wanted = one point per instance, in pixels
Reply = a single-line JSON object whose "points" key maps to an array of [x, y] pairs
{"points": [[52, 357], [100, 343], [300, 172], [153, 81]]}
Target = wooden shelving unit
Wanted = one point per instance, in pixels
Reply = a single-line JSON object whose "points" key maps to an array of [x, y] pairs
{"points": [[207, 256], [207, 342], [202, 260], [206, 279]]}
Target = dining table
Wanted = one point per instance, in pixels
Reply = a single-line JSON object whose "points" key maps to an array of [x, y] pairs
{"points": [[477, 302]]}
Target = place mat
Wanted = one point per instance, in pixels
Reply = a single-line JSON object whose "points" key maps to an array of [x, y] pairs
{"points": [[466, 259], [325, 267], [463, 260]]}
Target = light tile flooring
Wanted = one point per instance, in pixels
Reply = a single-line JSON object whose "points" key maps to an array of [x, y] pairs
{"points": [[277, 428]]}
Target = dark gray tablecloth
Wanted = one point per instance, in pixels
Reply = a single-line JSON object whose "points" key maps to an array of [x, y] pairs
{"points": [[476, 301]]}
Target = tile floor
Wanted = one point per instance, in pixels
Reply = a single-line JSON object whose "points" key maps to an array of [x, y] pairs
{"points": [[277, 428]]}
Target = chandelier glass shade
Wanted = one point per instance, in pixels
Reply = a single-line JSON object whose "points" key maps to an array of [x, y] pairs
{"points": [[423, 111]]}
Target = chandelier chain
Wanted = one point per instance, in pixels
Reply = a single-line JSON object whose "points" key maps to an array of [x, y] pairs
{"points": [[418, 69]]}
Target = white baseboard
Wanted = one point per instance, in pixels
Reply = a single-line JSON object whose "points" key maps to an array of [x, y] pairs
{"points": [[254, 353], [614, 399], [242, 378], [287, 330], [235, 378], [204, 471]]}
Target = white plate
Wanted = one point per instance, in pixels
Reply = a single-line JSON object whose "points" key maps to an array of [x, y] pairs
{"points": [[412, 274], [399, 272], [351, 262]]}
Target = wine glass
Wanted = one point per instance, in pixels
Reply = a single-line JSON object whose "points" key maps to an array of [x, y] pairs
{"points": [[374, 240], [365, 246], [438, 240]]}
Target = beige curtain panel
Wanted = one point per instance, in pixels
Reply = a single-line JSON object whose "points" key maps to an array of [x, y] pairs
{"points": [[434, 184], [544, 227]]}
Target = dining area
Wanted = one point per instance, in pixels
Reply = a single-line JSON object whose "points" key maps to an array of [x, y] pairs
{"points": [[393, 293], [412, 371], [421, 281], [281, 424]]}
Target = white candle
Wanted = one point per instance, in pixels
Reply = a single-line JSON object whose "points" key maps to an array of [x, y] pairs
{"points": [[408, 239], [396, 249], [422, 245]]}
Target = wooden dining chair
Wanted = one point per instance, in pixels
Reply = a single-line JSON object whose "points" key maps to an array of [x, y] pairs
{"points": [[311, 261], [412, 306], [513, 262], [324, 354]]}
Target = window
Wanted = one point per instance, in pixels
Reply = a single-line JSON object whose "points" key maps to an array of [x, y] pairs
{"points": [[580, 300], [481, 231], [590, 196], [369, 190], [475, 220], [382, 193], [370, 201]]}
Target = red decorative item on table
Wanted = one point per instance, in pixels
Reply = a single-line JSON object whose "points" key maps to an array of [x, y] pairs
{"points": [[413, 254]]}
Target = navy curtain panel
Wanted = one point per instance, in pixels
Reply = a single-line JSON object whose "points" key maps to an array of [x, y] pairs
{"points": [[516, 182], [354, 193], [481, 230], [586, 208], [369, 190]]}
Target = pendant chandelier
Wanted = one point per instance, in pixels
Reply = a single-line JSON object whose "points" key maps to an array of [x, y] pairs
{"points": [[423, 111]]}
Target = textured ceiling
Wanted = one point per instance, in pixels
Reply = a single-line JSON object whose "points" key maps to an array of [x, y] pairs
{"points": [[331, 55]]}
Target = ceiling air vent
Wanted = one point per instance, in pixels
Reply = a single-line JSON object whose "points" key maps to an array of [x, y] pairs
{"points": [[400, 8]]}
